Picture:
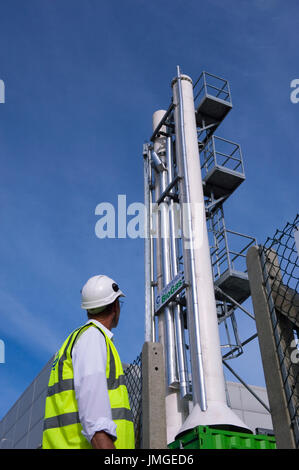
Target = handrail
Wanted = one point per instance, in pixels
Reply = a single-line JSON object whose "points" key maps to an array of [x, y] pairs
{"points": [[223, 88]]}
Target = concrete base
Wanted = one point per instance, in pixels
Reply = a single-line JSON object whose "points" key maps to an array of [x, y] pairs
{"points": [[177, 411]]}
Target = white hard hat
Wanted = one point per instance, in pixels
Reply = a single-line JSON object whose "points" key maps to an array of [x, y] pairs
{"points": [[99, 291]]}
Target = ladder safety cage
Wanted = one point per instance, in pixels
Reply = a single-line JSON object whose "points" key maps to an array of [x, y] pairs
{"points": [[222, 167], [212, 100], [228, 250]]}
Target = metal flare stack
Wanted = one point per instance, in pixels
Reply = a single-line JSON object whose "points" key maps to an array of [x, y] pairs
{"points": [[184, 187]]}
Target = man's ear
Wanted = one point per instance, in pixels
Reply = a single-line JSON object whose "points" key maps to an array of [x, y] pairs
{"points": [[114, 307]]}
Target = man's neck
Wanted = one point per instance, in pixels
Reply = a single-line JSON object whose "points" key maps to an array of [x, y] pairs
{"points": [[100, 323]]}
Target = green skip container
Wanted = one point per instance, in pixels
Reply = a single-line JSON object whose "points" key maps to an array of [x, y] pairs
{"points": [[205, 437]]}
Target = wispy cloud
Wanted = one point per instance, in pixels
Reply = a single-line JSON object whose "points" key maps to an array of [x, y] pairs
{"points": [[25, 327]]}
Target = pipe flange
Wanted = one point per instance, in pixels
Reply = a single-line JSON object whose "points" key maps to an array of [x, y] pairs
{"points": [[183, 77]]}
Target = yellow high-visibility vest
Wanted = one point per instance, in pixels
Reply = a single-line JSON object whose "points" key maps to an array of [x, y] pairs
{"points": [[62, 428]]}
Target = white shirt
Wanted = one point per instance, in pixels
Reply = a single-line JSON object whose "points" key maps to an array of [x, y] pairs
{"points": [[89, 363]]}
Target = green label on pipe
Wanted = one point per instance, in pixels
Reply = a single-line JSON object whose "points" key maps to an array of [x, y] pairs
{"points": [[170, 291]]}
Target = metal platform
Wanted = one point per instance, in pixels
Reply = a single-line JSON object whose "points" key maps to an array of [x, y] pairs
{"points": [[222, 181], [212, 103], [233, 283], [212, 110], [222, 167]]}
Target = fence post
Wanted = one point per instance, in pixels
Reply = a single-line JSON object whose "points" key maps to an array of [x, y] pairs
{"points": [[273, 376], [153, 397]]}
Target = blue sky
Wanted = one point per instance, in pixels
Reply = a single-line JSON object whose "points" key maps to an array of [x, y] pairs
{"points": [[82, 80]]}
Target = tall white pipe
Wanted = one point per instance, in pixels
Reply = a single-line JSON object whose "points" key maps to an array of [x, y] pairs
{"points": [[190, 234], [209, 398]]}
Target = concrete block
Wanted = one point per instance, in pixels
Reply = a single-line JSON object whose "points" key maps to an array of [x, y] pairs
{"points": [[153, 397]]}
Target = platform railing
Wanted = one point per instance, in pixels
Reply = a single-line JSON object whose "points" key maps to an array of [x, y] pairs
{"points": [[210, 84], [226, 258], [221, 153]]}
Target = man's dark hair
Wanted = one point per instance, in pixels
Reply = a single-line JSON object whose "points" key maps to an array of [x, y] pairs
{"points": [[95, 312]]}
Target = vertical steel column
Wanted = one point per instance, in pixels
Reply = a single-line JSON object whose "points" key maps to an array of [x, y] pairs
{"points": [[169, 338], [157, 239], [148, 248], [179, 326]]}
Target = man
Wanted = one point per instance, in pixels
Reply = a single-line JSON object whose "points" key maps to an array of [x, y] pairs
{"points": [[87, 405]]}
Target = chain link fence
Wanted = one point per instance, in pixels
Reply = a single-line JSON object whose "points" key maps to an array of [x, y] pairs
{"points": [[133, 375], [280, 265]]}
